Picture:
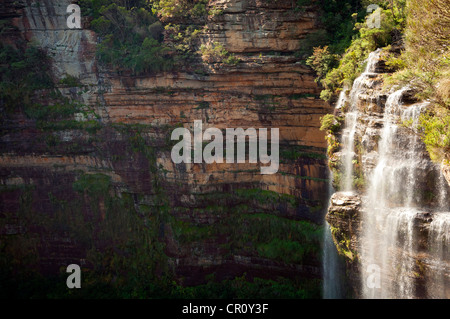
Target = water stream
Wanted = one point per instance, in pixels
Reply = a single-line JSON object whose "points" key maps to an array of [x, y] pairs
{"points": [[351, 119], [405, 198]]}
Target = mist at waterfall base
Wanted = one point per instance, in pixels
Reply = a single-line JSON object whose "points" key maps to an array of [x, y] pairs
{"points": [[414, 262]]}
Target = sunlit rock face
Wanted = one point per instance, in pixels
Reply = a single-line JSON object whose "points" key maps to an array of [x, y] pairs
{"points": [[446, 172], [212, 203]]}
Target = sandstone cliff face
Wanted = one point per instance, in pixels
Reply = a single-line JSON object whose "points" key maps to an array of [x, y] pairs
{"points": [[129, 144]]}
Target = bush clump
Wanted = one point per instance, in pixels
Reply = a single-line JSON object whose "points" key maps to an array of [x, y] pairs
{"points": [[22, 72], [131, 39], [217, 53], [351, 64], [435, 130]]}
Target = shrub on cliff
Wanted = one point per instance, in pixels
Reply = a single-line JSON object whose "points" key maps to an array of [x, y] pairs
{"points": [[425, 66], [180, 8], [336, 20], [368, 39], [322, 61], [435, 126], [216, 52], [131, 39], [330, 123], [22, 72]]}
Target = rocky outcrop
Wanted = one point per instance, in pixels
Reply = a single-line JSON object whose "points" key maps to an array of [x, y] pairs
{"points": [[446, 172], [72, 50], [259, 26], [344, 214], [344, 217]]}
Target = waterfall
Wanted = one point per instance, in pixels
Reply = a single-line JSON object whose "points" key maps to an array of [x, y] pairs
{"points": [[351, 118], [332, 264], [438, 286], [406, 197], [333, 282], [393, 204]]}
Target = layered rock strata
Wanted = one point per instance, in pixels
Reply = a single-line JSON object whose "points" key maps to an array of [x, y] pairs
{"points": [[126, 147]]}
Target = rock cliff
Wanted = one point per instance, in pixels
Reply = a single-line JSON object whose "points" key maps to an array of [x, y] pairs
{"points": [[72, 189]]}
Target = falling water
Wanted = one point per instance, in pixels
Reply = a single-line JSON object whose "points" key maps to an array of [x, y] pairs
{"points": [[333, 265], [397, 200], [438, 286], [405, 230], [393, 204], [332, 278], [351, 119]]}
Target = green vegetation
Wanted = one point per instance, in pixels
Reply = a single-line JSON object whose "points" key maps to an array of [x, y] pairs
{"points": [[181, 8], [57, 111], [337, 19], [217, 53], [93, 184], [424, 65], [258, 288], [131, 38], [278, 238], [264, 196], [330, 123], [435, 128], [23, 70], [202, 105], [70, 81], [343, 243], [183, 41], [324, 61], [59, 115], [132, 34], [125, 247], [292, 153]]}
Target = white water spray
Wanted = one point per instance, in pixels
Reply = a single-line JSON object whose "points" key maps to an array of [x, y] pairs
{"points": [[351, 118], [403, 190]]}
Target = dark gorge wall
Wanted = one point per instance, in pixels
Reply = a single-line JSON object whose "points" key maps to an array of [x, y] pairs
{"points": [[86, 175]]}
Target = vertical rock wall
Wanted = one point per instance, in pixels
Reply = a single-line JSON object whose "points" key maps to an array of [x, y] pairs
{"points": [[269, 88]]}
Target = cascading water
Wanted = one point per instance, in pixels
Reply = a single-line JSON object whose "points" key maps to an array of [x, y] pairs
{"points": [[403, 189], [333, 265], [351, 119], [332, 281], [333, 287], [393, 204], [438, 286]]}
